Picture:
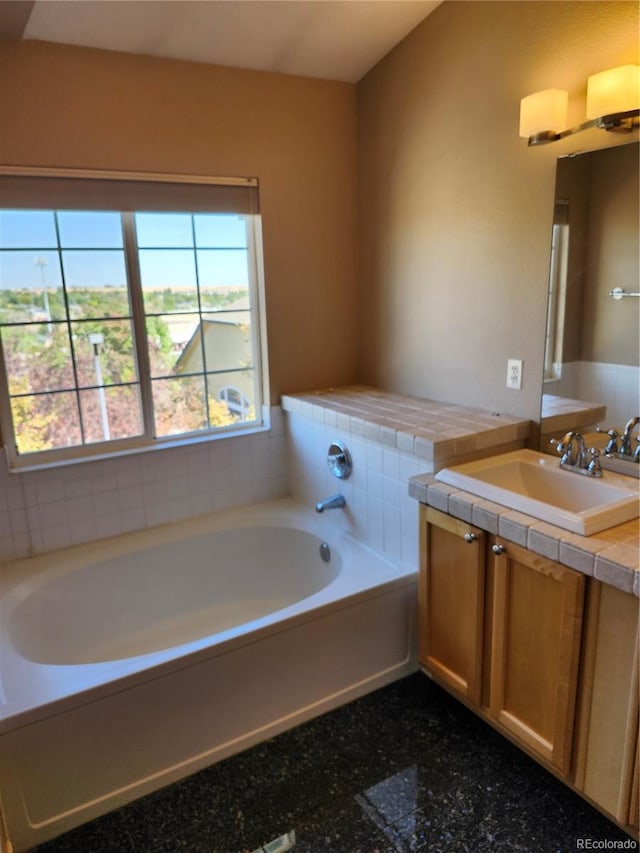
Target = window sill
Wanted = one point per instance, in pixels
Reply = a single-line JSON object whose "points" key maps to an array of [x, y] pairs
{"points": [[238, 432]]}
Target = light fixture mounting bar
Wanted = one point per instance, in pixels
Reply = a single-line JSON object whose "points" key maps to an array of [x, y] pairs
{"points": [[615, 123]]}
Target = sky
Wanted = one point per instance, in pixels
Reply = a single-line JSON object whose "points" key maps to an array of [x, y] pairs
{"points": [[175, 250]]}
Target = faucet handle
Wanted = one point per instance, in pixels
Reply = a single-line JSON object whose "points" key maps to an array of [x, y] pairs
{"points": [[594, 467], [564, 447], [612, 444]]}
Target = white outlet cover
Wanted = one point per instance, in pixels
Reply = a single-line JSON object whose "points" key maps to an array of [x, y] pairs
{"points": [[514, 373]]}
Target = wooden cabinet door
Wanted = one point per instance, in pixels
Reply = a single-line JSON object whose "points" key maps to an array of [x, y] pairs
{"points": [[535, 646], [451, 602], [607, 716]]}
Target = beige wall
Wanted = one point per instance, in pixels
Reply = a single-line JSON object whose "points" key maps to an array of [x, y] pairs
{"points": [[74, 107], [455, 210]]}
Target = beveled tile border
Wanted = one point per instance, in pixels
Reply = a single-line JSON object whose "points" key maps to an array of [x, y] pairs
{"points": [[514, 526], [485, 514], [615, 566], [438, 496], [461, 506]]}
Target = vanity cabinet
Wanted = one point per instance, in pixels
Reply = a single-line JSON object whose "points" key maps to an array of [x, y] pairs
{"points": [[546, 655], [501, 627]]}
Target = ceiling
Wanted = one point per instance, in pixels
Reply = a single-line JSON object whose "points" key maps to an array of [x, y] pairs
{"points": [[331, 39]]}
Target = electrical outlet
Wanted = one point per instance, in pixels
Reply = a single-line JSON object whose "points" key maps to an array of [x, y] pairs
{"points": [[514, 373]]}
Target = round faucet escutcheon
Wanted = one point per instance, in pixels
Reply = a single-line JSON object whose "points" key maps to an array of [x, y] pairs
{"points": [[339, 460]]}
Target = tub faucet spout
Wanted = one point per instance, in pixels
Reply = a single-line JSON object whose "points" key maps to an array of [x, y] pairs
{"points": [[334, 502]]}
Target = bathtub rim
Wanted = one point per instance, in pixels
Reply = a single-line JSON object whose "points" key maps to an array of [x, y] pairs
{"points": [[85, 683]]}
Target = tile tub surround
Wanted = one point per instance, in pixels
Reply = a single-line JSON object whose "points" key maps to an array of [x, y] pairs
{"points": [[391, 439], [68, 505], [437, 779], [612, 556], [433, 431]]}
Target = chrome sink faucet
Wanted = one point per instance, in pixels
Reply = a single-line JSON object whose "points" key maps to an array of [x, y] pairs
{"points": [[334, 502], [579, 460], [622, 446]]}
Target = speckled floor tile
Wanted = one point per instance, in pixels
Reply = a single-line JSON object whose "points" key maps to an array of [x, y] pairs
{"points": [[406, 768]]}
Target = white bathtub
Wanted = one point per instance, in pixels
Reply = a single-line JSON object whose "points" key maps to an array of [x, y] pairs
{"points": [[130, 663]]}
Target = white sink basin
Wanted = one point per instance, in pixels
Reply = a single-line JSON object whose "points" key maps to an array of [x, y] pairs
{"points": [[535, 484]]}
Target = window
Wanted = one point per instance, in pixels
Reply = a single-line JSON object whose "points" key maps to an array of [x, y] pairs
{"points": [[557, 293], [124, 328]]}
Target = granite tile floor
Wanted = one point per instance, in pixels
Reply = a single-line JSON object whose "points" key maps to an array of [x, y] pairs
{"points": [[406, 768]]}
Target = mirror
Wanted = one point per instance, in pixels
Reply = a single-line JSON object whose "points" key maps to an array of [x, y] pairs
{"points": [[592, 343]]}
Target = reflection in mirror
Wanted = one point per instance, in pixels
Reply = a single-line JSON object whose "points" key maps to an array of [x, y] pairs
{"points": [[592, 344]]}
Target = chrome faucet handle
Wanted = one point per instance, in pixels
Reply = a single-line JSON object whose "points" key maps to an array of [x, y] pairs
{"points": [[593, 467], [567, 456], [636, 452], [612, 444]]}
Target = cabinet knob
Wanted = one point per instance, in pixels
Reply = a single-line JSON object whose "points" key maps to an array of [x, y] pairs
{"points": [[498, 549], [470, 537]]}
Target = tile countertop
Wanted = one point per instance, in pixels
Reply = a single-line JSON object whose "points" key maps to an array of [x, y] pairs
{"points": [[612, 556], [438, 432]]}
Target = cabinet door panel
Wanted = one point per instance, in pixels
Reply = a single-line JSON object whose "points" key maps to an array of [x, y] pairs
{"points": [[452, 603], [535, 643], [608, 707]]}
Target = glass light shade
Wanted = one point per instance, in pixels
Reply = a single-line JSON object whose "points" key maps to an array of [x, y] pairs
{"points": [[545, 110], [614, 91]]}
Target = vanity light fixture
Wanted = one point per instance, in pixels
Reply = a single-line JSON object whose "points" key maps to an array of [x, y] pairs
{"points": [[613, 103]]}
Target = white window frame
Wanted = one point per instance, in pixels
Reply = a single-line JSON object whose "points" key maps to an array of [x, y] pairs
{"points": [[147, 441], [556, 297]]}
